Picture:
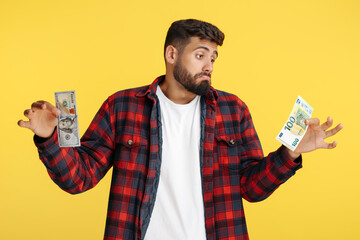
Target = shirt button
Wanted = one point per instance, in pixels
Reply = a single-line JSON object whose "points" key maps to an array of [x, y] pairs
{"points": [[232, 141], [130, 142]]}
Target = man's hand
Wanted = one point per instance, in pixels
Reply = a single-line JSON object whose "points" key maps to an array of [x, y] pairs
{"points": [[315, 136], [42, 118]]}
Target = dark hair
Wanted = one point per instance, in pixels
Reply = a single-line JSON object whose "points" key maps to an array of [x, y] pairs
{"points": [[180, 32]]}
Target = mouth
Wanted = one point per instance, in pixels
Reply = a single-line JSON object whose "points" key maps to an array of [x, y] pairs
{"points": [[205, 77]]}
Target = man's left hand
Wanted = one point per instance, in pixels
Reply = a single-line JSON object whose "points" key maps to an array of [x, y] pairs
{"points": [[315, 136]]}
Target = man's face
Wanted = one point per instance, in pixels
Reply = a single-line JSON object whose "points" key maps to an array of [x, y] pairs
{"points": [[194, 66]]}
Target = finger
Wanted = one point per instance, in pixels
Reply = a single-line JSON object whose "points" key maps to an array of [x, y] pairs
{"points": [[37, 105], [330, 145], [333, 131], [326, 125], [28, 113], [24, 124], [312, 121]]}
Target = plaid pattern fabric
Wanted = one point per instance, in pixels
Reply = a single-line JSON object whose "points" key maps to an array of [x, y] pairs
{"points": [[126, 134]]}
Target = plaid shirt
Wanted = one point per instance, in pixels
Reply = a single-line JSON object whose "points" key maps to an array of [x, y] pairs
{"points": [[126, 134]]}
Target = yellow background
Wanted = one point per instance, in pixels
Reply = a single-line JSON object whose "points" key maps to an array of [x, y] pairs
{"points": [[273, 51]]}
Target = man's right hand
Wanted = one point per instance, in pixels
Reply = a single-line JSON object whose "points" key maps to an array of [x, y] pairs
{"points": [[42, 119]]}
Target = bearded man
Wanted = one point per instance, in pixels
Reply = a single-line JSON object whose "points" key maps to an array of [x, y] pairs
{"points": [[184, 154]]}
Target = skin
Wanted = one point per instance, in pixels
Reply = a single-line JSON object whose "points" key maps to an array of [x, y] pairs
{"points": [[198, 56]]}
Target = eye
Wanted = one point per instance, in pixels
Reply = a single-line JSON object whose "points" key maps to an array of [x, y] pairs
{"points": [[212, 60], [199, 56]]}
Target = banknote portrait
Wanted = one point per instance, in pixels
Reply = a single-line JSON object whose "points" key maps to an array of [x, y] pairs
{"points": [[67, 125]]}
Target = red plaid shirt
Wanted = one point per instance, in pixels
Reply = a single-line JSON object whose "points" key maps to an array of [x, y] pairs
{"points": [[126, 134]]}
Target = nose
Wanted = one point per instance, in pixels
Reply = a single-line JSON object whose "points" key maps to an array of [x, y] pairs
{"points": [[208, 67]]}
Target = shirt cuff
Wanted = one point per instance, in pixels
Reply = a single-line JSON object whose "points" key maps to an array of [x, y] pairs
{"points": [[42, 143], [287, 161]]}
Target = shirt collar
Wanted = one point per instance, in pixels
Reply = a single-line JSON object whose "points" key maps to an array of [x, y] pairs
{"points": [[211, 96]]}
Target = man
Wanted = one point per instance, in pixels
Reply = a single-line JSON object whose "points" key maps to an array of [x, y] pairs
{"points": [[183, 154]]}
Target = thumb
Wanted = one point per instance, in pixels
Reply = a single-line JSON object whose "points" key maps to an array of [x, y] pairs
{"points": [[51, 108], [312, 121], [56, 111]]}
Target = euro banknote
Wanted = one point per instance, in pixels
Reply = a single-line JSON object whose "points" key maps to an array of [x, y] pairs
{"points": [[295, 128], [68, 125]]}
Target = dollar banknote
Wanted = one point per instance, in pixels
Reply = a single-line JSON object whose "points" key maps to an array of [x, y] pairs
{"points": [[68, 125], [295, 127]]}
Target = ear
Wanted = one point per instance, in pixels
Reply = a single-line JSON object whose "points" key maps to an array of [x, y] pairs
{"points": [[171, 54]]}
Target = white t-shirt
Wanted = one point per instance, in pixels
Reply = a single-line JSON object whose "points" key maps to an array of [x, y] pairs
{"points": [[179, 207]]}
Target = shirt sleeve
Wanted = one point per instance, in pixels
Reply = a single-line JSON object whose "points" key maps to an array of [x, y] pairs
{"points": [[77, 169], [261, 176]]}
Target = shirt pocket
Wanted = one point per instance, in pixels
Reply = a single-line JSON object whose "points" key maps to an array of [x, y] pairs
{"points": [[132, 152], [230, 149]]}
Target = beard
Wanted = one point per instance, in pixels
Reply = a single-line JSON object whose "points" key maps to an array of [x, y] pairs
{"points": [[189, 82]]}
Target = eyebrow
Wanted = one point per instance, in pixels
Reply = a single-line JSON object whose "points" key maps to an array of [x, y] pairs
{"points": [[207, 49]]}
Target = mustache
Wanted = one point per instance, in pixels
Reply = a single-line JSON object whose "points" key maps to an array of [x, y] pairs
{"points": [[202, 74]]}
